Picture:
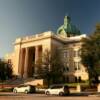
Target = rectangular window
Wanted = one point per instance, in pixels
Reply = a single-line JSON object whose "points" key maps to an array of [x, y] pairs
{"points": [[77, 53], [77, 65], [65, 54]]}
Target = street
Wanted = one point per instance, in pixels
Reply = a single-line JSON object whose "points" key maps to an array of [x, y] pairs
{"points": [[12, 96]]}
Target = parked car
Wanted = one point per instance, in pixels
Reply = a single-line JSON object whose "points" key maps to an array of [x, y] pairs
{"points": [[58, 89], [25, 89]]}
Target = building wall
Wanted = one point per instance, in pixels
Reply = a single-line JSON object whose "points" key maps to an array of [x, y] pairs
{"points": [[75, 69], [70, 48], [35, 42]]}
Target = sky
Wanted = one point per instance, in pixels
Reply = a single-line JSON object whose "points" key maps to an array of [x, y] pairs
{"points": [[19, 18]]}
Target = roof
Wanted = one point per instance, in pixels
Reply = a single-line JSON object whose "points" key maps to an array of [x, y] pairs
{"points": [[68, 29]]}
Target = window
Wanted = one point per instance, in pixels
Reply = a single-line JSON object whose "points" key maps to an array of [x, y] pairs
{"points": [[65, 54], [79, 79], [77, 53], [77, 65], [66, 69], [75, 79], [56, 87], [9, 61]]}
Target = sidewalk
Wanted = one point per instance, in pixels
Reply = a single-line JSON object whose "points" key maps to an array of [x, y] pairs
{"points": [[85, 94]]}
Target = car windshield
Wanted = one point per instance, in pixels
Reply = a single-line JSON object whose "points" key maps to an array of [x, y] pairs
{"points": [[22, 86], [56, 87]]}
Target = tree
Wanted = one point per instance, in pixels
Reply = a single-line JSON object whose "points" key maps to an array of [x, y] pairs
{"points": [[91, 53], [38, 68], [51, 68], [5, 71], [57, 66]]}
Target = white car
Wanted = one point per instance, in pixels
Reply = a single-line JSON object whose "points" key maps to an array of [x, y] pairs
{"points": [[57, 90], [24, 88]]}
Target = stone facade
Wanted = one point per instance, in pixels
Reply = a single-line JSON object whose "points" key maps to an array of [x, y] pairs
{"points": [[28, 49]]}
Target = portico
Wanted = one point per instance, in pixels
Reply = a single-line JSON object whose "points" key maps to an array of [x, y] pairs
{"points": [[27, 51], [28, 57]]}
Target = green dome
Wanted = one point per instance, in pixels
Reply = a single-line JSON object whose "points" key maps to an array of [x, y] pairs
{"points": [[68, 29]]}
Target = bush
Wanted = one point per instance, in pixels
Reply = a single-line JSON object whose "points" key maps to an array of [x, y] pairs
{"points": [[6, 89]]}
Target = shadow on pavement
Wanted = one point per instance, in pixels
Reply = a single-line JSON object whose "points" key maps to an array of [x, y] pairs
{"points": [[85, 94], [13, 94], [79, 94], [70, 95]]}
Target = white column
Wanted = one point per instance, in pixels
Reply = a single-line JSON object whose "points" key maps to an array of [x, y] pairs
{"points": [[20, 63], [26, 63], [36, 54], [36, 59]]}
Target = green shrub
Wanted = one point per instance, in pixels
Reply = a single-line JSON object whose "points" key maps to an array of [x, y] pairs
{"points": [[6, 89]]}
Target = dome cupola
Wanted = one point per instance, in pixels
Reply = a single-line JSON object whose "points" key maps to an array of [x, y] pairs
{"points": [[68, 29]]}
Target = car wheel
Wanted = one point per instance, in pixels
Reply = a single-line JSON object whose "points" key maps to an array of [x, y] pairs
{"points": [[26, 91], [47, 93], [61, 94], [15, 91]]}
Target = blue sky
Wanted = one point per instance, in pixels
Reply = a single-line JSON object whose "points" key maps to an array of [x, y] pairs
{"points": [[19, 18]]}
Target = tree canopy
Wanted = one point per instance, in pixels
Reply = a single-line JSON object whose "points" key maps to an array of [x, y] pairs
{"points": [[91, 52], [5, 70], [51, 67]]}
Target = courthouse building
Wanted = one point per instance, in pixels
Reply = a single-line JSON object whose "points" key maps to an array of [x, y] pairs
{"points": [[68, 38]]}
